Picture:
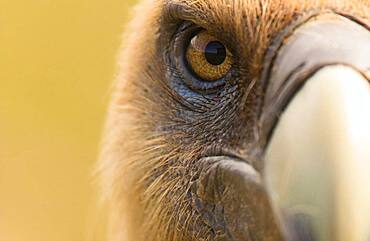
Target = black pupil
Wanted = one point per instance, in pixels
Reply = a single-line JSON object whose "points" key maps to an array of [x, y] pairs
{"points": [[215, 53]]}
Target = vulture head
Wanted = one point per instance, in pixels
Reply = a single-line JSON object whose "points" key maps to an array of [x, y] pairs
{"points": [[241, 120]]}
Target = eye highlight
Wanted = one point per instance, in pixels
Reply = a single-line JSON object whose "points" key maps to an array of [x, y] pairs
{"points": [[207, 57]]}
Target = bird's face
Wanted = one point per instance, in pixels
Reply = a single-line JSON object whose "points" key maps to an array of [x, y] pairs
{"points": [[242, 120]]}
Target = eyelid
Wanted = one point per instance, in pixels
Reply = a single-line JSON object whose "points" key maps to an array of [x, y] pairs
{"points": [[180, 12], [175, 10]]}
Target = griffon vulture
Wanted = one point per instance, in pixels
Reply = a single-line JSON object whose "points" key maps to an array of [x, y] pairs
{"points": [[243, 120]]}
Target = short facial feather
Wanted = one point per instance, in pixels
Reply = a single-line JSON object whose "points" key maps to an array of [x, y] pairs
{"points": [[148, 163]]}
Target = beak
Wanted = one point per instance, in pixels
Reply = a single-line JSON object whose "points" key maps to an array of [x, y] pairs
{"points": [[316, 120]]}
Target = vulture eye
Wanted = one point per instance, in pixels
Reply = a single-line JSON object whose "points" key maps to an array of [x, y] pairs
{"points": [[207, 57]]}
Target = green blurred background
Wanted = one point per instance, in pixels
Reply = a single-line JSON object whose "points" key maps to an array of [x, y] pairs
{"points": [[57, 61]]}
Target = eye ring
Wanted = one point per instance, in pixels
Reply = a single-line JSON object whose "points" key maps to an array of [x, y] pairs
{"points": [[181, 42]]}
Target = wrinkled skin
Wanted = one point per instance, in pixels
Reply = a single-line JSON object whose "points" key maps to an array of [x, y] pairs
{"points": [[179, 164]]}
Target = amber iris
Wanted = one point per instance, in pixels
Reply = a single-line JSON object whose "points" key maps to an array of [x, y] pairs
{"points": [[208, 58]]}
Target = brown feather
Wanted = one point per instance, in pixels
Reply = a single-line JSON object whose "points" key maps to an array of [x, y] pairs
{"points": [[146, 169]]}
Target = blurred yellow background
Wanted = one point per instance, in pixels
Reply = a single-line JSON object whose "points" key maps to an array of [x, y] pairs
{"points": [[57, 61]]}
